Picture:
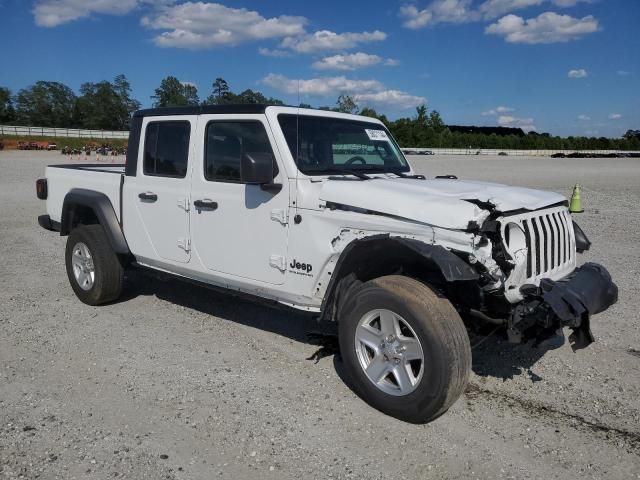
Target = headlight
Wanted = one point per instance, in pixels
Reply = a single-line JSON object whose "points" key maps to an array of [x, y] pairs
{"points": [[514, 237]]}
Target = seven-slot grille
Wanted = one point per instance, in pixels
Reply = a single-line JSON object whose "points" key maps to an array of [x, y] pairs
{"points": [[550, 241]]}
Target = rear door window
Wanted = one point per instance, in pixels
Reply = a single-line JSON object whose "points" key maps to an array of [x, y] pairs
{"points": [[166, 149]]}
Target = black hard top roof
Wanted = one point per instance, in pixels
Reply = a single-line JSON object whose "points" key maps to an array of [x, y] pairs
{"points": [[202, 109]]}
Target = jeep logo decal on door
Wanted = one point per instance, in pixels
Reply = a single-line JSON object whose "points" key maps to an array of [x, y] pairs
{"points": [[300, 268]]}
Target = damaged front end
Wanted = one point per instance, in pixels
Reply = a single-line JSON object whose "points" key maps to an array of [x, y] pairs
{"points": [[541, 289], [569, 302]]}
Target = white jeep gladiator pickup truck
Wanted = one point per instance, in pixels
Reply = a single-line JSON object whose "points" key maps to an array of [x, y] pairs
{"points": [[320, 211]]}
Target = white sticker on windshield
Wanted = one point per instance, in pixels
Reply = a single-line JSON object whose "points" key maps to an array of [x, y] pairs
{"points": [[380, 135]]}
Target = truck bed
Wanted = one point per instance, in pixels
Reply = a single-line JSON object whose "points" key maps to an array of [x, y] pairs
{"points": [[62, 178]]}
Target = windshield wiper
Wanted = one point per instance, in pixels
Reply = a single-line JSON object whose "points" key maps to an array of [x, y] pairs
{"points": [[355, 173]]}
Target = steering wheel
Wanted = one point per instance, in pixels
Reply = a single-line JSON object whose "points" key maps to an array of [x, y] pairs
{"points": [[357, 158]]}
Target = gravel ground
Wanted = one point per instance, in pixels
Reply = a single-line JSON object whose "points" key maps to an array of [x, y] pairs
{"points": [[180, 382]]}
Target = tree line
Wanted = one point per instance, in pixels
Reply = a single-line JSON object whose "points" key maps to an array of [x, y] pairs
{"points": [[109, 105]]}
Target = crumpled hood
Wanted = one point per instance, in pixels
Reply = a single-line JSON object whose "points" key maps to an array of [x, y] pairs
{"points": [[438, 202]]}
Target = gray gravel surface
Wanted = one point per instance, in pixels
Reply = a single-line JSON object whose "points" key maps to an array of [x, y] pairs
{"points": [[176, 381]]}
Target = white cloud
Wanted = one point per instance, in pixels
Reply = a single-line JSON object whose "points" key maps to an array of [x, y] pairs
{"points": [[578, 73], [622, 73], [351, 61], [189, 84], [414, 18], [365, 92], [51, 13], [548, 27], [202, 25], [497, 111], [323, 86], [326, 40], [584, 118], [494, 8], [273, 52], [393, 98], [615, 116], [438, 11], [526, 124]]}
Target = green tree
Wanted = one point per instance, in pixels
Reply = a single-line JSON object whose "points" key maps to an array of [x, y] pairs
{"points": [[346, 104], [370, 112], [7, 112], [173, 93], [123, 88], [421, 115], [105, 105], [48, 104], [435, 121], [221, 91]]}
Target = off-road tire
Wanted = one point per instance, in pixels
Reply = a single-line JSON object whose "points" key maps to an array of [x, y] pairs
{"points": [[108, 271], [440, 331]]}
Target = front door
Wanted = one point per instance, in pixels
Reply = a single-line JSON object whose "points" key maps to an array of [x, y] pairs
{"points": [[155, 201], [238, 230]]}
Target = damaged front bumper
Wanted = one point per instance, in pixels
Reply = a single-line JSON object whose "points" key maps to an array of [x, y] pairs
{"points": [[566, 303]]}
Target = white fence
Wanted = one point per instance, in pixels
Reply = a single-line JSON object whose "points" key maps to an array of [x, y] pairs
{"points": [[59, 132], [493, 151]]}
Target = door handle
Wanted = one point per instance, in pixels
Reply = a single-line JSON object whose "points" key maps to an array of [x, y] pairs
{"points": [[148, 196], [205, 205]]}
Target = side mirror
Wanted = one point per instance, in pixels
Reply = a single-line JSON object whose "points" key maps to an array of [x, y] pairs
{"points": [[256, 168]]}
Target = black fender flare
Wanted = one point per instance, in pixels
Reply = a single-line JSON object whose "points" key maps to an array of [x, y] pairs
{"points": [[452, 267], [101, 206]]}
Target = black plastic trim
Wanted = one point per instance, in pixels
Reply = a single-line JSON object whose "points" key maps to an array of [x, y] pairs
{"points": [[201, 110], [133, 145], [91, 166], [45, 222], [101, 206], [452, 267], [582, 242]]}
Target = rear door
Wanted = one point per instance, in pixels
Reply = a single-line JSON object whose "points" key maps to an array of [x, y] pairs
{"points": [[156, 200], [237, 229]]}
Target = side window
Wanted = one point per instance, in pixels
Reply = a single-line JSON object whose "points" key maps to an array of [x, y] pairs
{"points": [[227, 142], [166, 149]]}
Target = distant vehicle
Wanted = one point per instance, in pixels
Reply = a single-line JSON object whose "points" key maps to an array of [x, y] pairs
{"points": [[427, 152], [52, 146], [503, 154], [255, 199], [558, 155]]}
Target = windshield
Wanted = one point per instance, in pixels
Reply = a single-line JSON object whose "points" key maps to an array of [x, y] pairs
{"points": [[324, 145]]}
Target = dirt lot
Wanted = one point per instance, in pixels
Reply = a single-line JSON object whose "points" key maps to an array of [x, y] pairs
{"points": [[179, 382]]}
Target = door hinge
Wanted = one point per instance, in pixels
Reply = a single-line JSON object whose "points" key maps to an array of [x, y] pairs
{"points": [[278, 261], [184, 244], [279, 215], [183, 203]]}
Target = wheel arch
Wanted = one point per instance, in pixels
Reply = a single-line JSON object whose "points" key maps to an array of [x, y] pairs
{"points": [[86, 207], [375, 256]]}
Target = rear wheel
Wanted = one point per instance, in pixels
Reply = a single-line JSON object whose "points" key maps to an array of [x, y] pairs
{"points": [[94, 270], [405, 348]]}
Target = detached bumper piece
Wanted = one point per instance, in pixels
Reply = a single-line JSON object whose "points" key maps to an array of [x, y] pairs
{"points": [[569, 302]]}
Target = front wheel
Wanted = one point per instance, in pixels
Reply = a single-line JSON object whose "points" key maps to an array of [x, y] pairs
{"points": [[405, 348], [94, 270]]}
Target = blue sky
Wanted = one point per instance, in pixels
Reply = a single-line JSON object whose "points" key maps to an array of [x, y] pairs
{"points": [[569, 67]]}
